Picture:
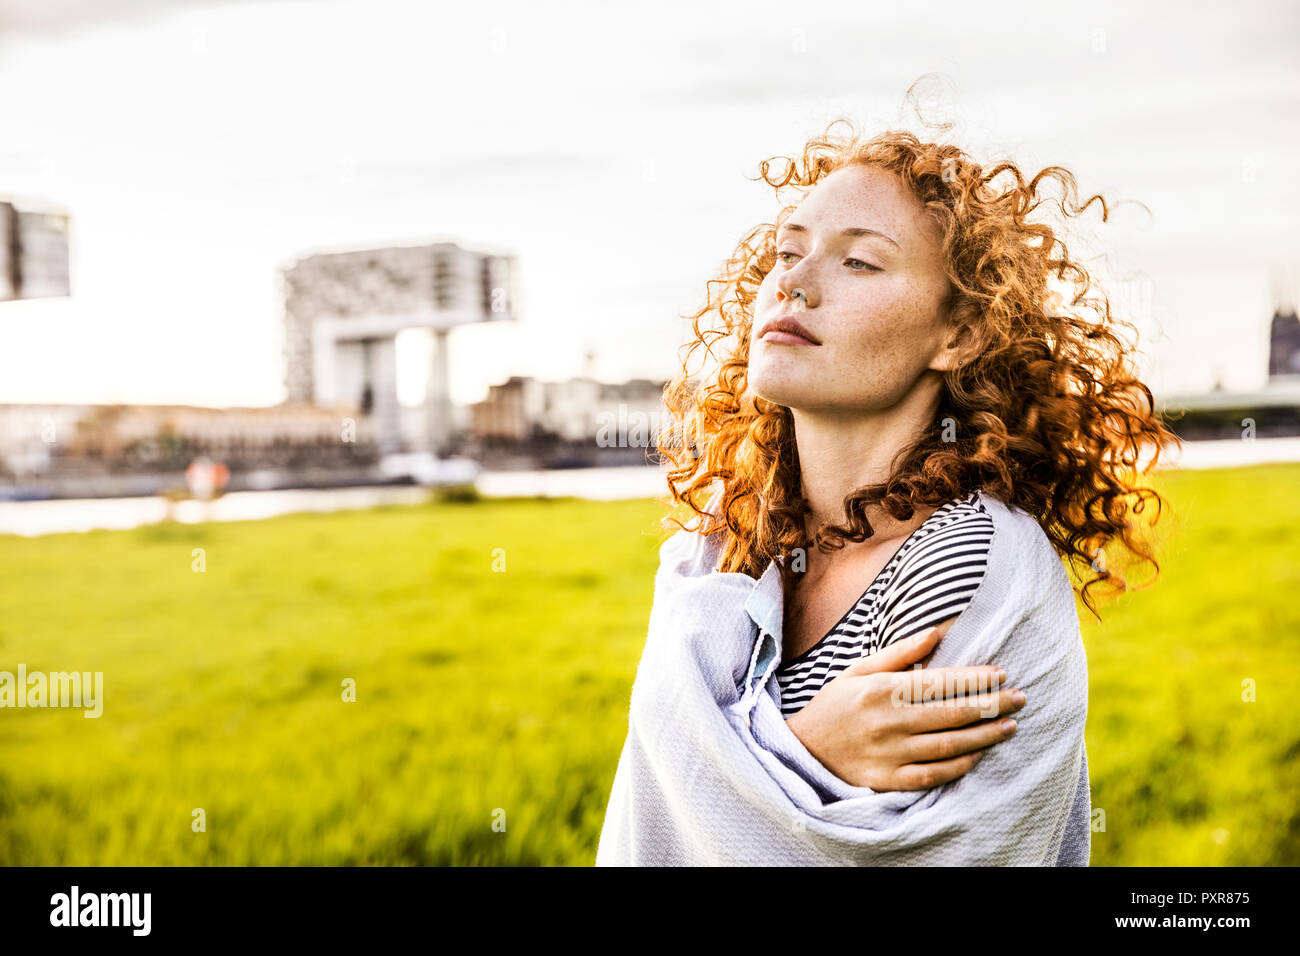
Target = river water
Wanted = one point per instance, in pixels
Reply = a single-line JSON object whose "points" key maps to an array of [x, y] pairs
{"points": [[31, 518]]}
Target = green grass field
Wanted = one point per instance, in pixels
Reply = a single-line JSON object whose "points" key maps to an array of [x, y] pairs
{"points": [[491, 704]]}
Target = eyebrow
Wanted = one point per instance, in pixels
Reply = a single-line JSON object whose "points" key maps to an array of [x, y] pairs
{"points": [[850, 231]]}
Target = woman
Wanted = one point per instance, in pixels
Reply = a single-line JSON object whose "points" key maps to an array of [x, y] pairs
{"points": [[910, 408]]}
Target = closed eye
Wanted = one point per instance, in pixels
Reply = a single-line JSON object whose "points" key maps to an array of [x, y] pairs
{"points": [[866, 266]]}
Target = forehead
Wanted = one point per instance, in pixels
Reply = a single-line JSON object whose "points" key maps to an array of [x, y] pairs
{"points": [[866, 197]]}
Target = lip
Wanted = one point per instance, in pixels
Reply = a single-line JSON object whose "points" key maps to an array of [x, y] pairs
{"points": [[786, 330]]}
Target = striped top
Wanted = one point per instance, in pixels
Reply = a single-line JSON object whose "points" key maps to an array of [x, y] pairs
{"points": [[931, 578]]}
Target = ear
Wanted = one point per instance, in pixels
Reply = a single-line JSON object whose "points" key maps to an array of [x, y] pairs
{"points": [[959, 347]]}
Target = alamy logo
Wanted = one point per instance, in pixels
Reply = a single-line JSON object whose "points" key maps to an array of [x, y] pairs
{"points": [[55, 689], [102, 909]]}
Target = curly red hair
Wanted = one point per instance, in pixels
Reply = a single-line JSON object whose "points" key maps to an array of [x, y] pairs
{"points": [[1049, 415]]}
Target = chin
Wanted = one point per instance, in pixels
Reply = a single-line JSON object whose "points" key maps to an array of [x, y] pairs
{"points": [[790, 390]]}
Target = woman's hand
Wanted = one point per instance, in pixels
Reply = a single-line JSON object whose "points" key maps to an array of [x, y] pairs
{"points": [[874, 727]]}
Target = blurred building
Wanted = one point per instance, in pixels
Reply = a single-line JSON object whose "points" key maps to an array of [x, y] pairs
{"points": [[342, 422], [1284, 345], [342, 313], [579, 421], [33, 253], [105, 450], [1271, 412], [522, 407]]}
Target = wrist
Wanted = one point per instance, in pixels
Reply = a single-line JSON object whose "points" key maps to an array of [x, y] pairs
{"points": [[798, 724]]}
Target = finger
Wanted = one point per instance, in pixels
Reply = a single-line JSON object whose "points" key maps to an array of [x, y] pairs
{"points": [[922, 685], [946, 744], [901, 654], [957, 712], [928, 658], [923, 776]]}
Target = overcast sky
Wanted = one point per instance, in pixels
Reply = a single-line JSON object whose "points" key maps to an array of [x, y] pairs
{"points": [[200, 146]]}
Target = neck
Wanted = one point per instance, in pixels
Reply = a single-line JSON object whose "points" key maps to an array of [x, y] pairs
{"points": [[841, 450]]}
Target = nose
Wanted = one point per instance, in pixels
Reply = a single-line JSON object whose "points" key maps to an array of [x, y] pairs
{"points": [[797, 297], [791, 287]]}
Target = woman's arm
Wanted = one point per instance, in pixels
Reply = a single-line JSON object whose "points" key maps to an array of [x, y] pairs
{"points": [[1027, 798], [856, 728]]}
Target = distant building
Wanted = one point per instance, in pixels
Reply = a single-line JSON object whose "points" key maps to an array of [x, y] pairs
{"points": [[581, 412], [33, 253], [106, 448], [1273, 411], [343, 310], [1284, 344]]}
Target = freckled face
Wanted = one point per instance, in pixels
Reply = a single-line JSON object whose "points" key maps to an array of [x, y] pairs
{"points": [[874, 303]]}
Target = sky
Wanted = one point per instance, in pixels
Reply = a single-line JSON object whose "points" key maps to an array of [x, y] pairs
{"points": [[199, 147]]}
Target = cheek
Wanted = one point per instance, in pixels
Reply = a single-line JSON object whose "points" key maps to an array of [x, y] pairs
{"points": [[896, 317], [894, 336]]}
